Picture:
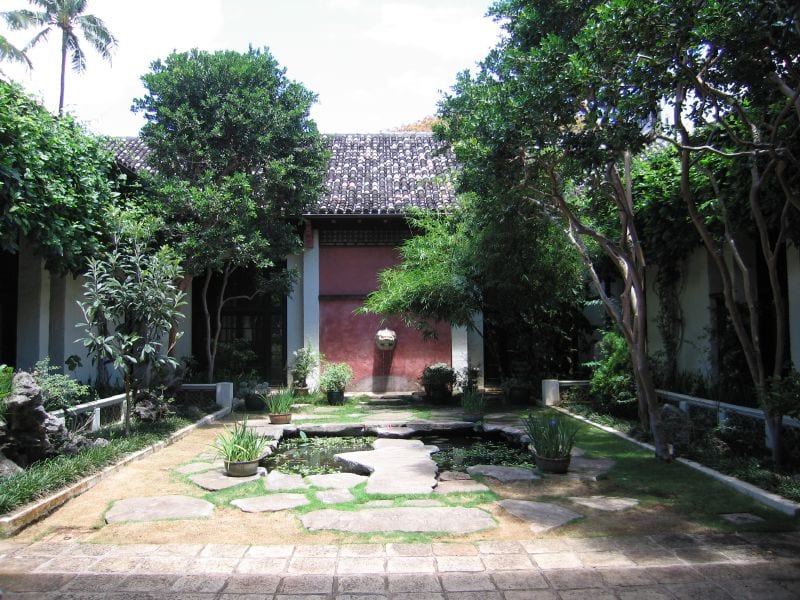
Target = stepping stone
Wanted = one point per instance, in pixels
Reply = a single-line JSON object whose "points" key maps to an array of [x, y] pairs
{"points": [[335, 496], [742, 518], [339, 481], [540, 516], [606, 503], [504, 474], [217, 480], [270, 503], [378, 503], [159, 508], [283, 481], [445, 519], [396, 466], [402, 431], [453, 476], [587, 469], [422, 502], [460, 486], [197, 467]]}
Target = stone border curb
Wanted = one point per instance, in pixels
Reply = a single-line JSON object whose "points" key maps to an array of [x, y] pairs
{"points": [[11, 524], [766, 498]]}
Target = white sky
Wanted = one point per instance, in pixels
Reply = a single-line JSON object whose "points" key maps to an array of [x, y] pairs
{"points": [[375, 64]]}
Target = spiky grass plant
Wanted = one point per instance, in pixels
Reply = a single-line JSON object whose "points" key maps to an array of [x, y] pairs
{"points": [[551, 437], [280, 402], [240, 443]]}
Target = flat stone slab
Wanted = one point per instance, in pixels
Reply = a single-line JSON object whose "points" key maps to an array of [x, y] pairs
{"points": [[217, 480], [339, 481], [446, 519], [422, 502], [377, 503], [460, 486], [335, 496], [587, 469], [198, 467], [607, 503], [284, 481], [540, 516], [159, 508], [270, 503], [741, 518], [396, 466], [453, 476], [504, 474]]}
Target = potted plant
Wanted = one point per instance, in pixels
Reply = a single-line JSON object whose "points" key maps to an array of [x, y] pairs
{"points": [[334, 378], [551, 442], [306, 359], [279, 406], [241, 448], [438, 380], [473, 405]]}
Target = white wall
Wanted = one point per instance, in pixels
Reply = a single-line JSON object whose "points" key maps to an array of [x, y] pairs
{"points": [[460, 349], [311, 301], [696, 304], [793, 277], [475, 346], [33, 308], [294, 313]]}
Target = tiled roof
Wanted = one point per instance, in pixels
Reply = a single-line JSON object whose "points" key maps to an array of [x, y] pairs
{"points": [[368, 174]]}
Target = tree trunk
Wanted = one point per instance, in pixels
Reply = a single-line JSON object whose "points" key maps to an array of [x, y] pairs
{"points": [[63, 72], [210, 356], [184, 285], [128, 400]]}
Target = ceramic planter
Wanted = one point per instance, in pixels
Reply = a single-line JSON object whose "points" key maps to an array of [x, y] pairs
{"points": [[557, 465], [300, 391], [336, 398], [280, 418], [244, 468], [438, 393]]}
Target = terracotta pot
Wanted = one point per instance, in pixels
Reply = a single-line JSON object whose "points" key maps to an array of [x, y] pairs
{"points": [[280, 418], [552, 465], [244, 468]]}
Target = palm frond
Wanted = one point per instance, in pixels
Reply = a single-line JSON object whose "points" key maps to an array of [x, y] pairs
{"points": [[97, 34], [77, 57], [41, 36], [23, 19], [11, 53]]}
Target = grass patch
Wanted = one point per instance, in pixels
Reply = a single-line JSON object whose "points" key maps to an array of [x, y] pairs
{"points": [[52, 474]]}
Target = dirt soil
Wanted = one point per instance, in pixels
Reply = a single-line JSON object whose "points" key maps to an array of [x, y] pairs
{"points": [[81, 519]]}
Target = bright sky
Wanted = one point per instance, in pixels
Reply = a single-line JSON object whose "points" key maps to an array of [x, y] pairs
{"points": [[375, 64]]}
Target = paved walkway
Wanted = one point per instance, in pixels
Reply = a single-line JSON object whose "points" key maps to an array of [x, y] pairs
{"points": [[741, 566]]}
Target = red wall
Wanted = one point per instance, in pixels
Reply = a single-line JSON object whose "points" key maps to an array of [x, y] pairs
{"points": [[346, 273]]}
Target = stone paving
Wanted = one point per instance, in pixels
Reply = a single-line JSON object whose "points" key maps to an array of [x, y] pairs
{"points": [[715, 566]]}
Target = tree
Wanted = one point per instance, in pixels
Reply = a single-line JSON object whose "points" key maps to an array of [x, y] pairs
{"points": [[131, 299], [9, 52], [69, 17], [229, 135], [55, 182]]}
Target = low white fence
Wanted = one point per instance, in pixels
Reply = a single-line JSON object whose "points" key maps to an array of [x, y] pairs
{"points": [[223, 391], [551, 394]]}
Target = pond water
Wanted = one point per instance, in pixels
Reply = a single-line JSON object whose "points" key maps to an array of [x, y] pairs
{"points": [[315, 455]]}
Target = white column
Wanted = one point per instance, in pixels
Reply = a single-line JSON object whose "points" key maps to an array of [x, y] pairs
{"points": [[294, 312], [460, 349], [311, 301], [475, 346]]}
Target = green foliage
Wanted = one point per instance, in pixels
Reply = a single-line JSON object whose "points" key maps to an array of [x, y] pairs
{"points": [[335, 377], [59, 390], [279, 402], [783, 394], [307, 455], [482, 453], [551, 437], [240, 443], [438, 375], [54, 183], [612, 386], [6, 378], [305, 360], [131, 300], [473, 402], [238, 159]]}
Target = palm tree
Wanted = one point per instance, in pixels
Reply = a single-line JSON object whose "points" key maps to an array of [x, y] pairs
{"points": [[68, 16], [11, 53]]}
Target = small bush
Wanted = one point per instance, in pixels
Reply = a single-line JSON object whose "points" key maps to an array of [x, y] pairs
{"points": [[278, 403], [59, 390], [612, 386], [335, 377], [438, 375], [6, 377]]}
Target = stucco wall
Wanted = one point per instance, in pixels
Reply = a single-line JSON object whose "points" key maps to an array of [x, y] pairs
{"points": [[793, 273], [346, 275]]}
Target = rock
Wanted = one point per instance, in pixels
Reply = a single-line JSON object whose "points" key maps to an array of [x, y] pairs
{"points": [[8, 467], [396, 466], [587, 469], [422, 503], [378, 504], [217, 480], [453, 476], [540, 516], [270, 503], [504, 474], [742, 518], [605, 503], [335, 496], [159, 508], [460, 486], [447, 519], [336, 480], [283, 481], [151, 407], [100, 443]]}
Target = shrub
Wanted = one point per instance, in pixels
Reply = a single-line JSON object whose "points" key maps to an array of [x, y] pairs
{"points": [[612, 384], [335, 377], [553, 437], [59, 390], [438, 375], [305, 360], [473, 402], [279, 403], [240, 443], [6, 376]]}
